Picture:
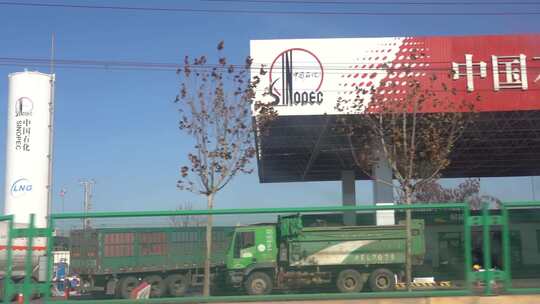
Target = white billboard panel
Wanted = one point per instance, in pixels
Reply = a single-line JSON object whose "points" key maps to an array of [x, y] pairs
{"points": [[27, 146], [307, 76]]}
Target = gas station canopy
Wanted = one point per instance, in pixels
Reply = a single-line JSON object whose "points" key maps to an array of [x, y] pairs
{"points": [[304, 78]]}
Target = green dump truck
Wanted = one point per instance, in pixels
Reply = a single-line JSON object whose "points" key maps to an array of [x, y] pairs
{"points": [[289, 256], [256, 259]]}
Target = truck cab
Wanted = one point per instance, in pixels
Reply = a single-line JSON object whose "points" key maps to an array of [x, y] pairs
{"points": [[253, 250]]}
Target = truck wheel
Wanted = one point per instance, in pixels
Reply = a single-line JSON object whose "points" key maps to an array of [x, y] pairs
{"points": [[382, 279], [157, 288], [258, 283], [177, 284], [125, 286], [349, 280]]}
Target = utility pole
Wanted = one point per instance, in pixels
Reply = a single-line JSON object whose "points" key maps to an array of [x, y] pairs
{"points": [[88, 188], [51, 134], [62, 194]]}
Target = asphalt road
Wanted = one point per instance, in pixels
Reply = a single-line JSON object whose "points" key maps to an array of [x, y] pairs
{"points": [[468, 300]]}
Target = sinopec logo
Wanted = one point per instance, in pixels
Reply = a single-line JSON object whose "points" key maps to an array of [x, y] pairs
{"points": [[296, 76], [24, 107], [21, 187]]}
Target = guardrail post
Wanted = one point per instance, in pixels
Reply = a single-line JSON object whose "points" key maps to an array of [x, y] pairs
{"points": [[506, 248], [468, 246], [488, 277], [50, 260], [8, 283], [27, 284]]}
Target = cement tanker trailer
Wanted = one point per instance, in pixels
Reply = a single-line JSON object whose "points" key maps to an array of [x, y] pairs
{"points": [[291, 256]]}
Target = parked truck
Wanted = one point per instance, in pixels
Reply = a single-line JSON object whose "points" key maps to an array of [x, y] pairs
{"points": [[170, 259], [290, 256], [256, 259]]}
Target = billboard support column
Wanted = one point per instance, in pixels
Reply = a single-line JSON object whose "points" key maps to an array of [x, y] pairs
{"points": [[348, 190], [383, 192]]}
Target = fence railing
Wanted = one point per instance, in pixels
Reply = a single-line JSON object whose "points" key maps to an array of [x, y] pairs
{"points": [[456, 239], [514, 219]]}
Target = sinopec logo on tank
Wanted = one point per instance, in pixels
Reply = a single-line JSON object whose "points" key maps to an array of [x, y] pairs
{"points": [[24, 107], [296, 76], [21, 187]]}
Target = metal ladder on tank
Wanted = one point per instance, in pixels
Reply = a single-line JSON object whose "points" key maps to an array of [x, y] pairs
{"points": [[29, 287]]}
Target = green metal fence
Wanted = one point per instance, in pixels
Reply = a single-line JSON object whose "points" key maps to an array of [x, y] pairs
{"points": [[7, 286], [522, 276], [454, 235], [26, 286]]}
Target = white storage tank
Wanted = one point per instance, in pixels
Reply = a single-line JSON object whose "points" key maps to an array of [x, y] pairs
{"points": [[28, 143]]}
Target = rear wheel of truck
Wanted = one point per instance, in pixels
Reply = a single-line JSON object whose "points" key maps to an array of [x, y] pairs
{"points": [[157, 286], [177, 284], [125, 286], [382, 279], [258, 283], [349, 280]]}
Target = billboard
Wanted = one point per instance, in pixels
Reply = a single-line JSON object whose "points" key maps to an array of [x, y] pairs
{"points": [[27, 146], [308, 76]]}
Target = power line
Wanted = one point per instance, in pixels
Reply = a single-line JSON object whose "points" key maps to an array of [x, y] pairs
{"points": [[82, 67], [433, 71], [405, 3], [327, 71], [175, 65], [263, 12], [346, 69]]}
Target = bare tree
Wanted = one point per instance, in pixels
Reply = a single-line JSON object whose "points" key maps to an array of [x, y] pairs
{"points": [[215, 103], [415, 131], [467, 191], [186, 220]]}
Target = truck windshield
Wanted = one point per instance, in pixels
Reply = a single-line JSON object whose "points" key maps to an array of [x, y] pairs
{"points": [[243, 240]]}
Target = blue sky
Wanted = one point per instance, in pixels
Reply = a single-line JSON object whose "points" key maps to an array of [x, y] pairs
{"points": [[120, 127]]}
